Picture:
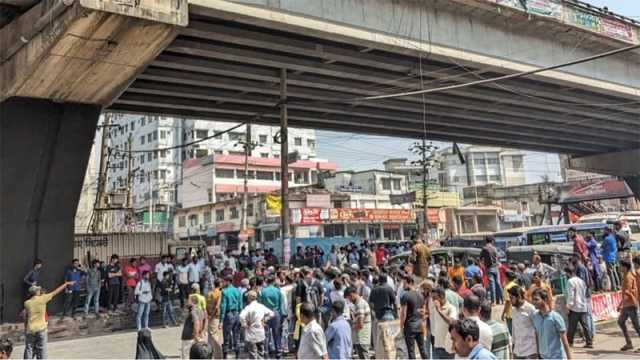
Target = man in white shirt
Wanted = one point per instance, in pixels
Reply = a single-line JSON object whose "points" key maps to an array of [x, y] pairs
{"points": [[313, 343], [253, 319], [441, 315], [163, 266], [471, 310], [577, 305], [525, 345]]}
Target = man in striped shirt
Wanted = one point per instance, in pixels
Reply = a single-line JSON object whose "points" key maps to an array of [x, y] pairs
{"points": [[501, 344]]}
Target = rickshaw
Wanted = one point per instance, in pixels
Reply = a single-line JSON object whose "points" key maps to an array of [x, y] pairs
{"points": [[448, 254]]}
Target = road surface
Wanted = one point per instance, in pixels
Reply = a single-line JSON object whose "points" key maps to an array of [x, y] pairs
{"points": [[122, 345]]}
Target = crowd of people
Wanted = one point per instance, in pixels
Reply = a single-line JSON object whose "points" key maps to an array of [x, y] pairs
{"points": [[332, 305]]}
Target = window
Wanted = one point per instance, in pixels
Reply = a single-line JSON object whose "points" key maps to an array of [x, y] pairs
{"points": [[277, 175], [264, 175], [155, 154], [276, 156], [218, 152], [142, 140], [220, 215], [163, 174], [264, 155], [217, 135], [201, 153], [297, 141], [225, 173], [163, 154], [236, 153], [481, 177], [149, 137], [133, 125], [333, 230], [262, 139], [301, 177], [478, 162], [142, 121], [492, 161], [149, 155], [494, 177], [249, 210], [517, 163], [386, 184], [193, 220], [396, 184], [201, 134], [207, 217], [155, 135], [163, 134], [182, 221], [235, 136], [209, 195], [311, 143], [234, 213], [155, 174]]}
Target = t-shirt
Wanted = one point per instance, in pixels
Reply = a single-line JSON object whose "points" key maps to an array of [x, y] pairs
{"points": [[454, 299], [413, 302], [113, 269], [486, 334], [505, 295], [439, 327], [549, 326], [489, 255], [131, 276], [524, 333], [383, 299], [188, 328], [362, 309], [36, 312], [313, 344]]}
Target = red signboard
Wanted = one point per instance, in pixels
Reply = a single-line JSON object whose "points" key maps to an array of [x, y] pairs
{"points": [[605, 305], [598, 190]]}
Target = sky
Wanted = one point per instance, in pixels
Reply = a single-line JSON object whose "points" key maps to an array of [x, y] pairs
{"points": [[361, 152]]}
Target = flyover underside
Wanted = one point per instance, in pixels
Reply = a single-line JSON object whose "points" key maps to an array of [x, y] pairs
{"points": [[44, 150], [229, 70]]}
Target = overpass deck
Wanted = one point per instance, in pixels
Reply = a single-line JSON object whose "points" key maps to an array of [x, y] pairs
{"points": [[225, 66]]}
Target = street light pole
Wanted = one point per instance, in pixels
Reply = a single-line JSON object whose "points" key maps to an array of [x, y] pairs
{"points": [[248, 146], [284, 168]]}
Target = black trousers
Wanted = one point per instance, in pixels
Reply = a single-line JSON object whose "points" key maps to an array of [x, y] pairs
{"points": [[576, 318], [71, 301], [629, 312], [411, 338], [114, 296]]}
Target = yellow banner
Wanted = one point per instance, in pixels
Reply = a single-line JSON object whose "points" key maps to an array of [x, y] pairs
{"points": [[274, 203]]}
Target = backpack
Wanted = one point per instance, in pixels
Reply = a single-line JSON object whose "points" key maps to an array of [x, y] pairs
{"points": [[313, 296]]}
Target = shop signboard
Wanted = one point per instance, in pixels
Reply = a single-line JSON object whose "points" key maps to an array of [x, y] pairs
{"points": [[315, 216], [319, 201], [582, 19], [619, 30]]}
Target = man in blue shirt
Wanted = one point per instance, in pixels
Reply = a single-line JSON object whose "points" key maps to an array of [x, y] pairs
{"points": [[230, 306], [272, 298], [72, 292], [338, 333], [610, 256], [550, 328], [470, 271], [465, 335]]}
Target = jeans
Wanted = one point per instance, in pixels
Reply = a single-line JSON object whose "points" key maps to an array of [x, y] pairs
{"points": [[114, 296], [35, 344], [167, 313], [576, 318], [274, 335], [231, 333], [255, 350], [411, 338], [613, 275], [71, 301], [493, 288], [184, 293], [441, 353], [92, 295], [142, 317], [629, 312]]}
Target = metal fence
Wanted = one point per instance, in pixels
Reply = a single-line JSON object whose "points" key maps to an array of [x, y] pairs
{"points": [[101, 246]]}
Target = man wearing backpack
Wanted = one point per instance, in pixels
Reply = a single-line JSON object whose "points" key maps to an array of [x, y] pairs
{"points": [[489, 256], [313, 289]]}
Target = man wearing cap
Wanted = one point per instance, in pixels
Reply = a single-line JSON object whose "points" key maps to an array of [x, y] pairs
{"points": [[197, 298], [253, 319], [36, 324], [230, 306]]}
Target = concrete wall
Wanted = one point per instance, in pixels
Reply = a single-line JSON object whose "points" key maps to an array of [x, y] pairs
{"points": [[501, 36], [44, 150]]}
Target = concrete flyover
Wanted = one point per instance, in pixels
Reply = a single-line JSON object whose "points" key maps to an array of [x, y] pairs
{"points": [[63, 61]]}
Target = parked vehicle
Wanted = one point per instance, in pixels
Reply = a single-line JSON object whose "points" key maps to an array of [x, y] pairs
{"points": [[556, 255], [446, 253]]}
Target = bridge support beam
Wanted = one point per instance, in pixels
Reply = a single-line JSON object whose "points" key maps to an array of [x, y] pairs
{"points": [[44, 150], [624, 164]]}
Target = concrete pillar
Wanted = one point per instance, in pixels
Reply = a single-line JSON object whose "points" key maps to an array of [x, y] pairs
{"points": [[381, 231], [366, 231], [401, 232], [44, 150]]}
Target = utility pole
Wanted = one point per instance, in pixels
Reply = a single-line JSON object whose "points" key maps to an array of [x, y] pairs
{"points": [[284, 168], [427, 153], [248, 145], [150, 202], [100, 203], [130, 173]]}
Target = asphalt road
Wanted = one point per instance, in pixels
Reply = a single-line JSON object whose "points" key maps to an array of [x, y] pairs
{"points": [[122, 345]]}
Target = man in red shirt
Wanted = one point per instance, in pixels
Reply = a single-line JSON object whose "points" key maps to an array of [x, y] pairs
{"points": [[380, 255], [579, 245], [459, 286], [131, 277]]}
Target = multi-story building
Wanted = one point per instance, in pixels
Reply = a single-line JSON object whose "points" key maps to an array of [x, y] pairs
{"points": [[483, 165], [159, 145]]}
